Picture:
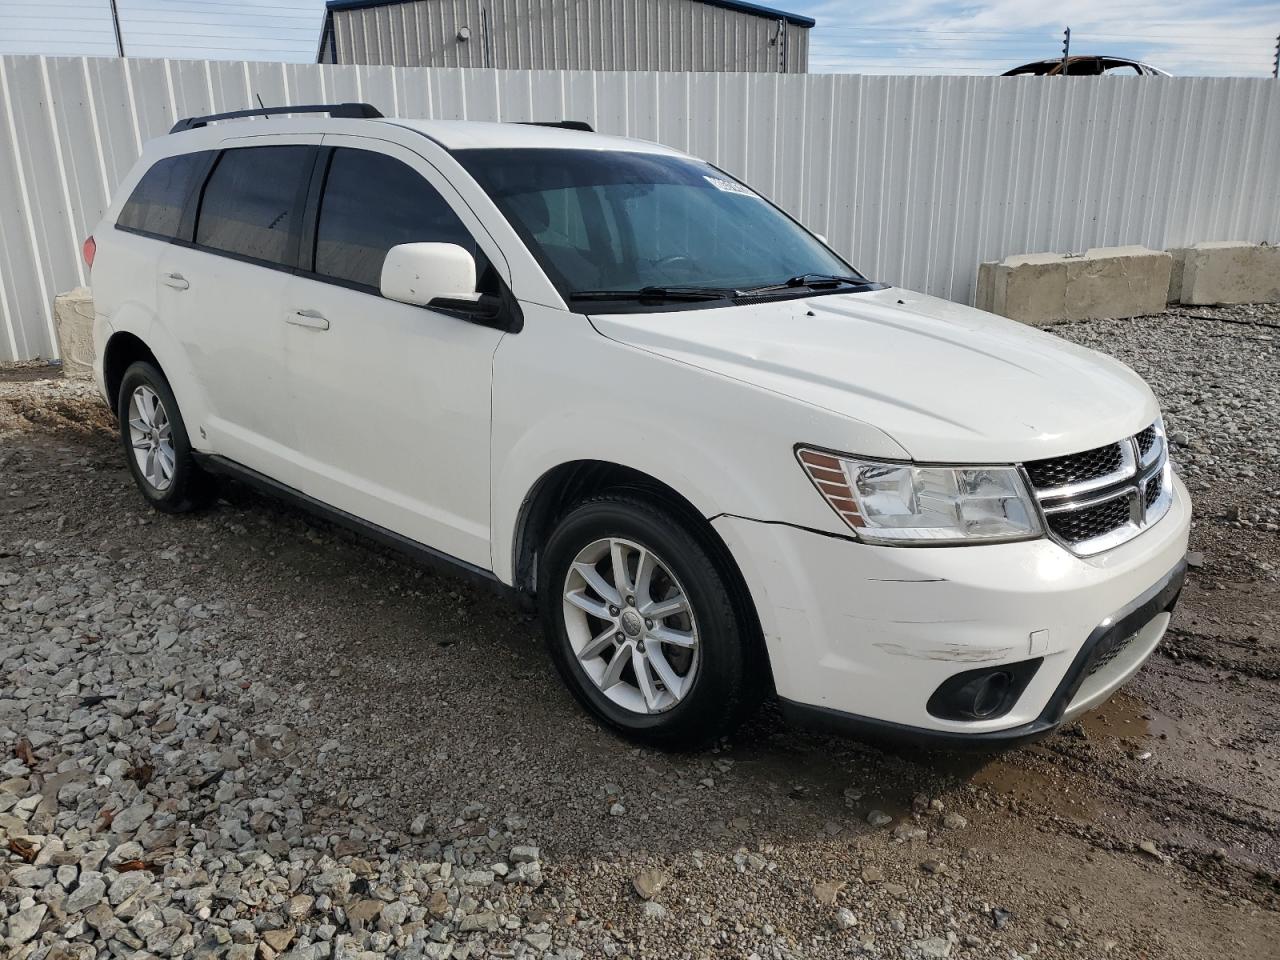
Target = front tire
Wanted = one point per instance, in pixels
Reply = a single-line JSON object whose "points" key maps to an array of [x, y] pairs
{"points": [[156, 444], [642, 624]]}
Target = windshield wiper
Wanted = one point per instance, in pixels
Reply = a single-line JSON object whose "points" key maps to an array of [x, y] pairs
{"points": [[813, 281], [655, 293]]}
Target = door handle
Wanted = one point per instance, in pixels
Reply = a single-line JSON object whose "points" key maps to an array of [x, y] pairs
{"points": [[311, 319], [176, 280]]}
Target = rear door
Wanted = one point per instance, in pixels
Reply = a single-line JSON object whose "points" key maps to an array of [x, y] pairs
{"points": [[222, 296], [391, 401]]}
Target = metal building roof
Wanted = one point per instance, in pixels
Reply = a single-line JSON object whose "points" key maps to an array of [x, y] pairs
{"points": [[739, 5]]}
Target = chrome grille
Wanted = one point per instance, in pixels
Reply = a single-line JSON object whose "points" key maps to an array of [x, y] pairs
{"points": [[1077, 526], [1098, 499], [1155, 486], [1146, 440], [1076, 467]]}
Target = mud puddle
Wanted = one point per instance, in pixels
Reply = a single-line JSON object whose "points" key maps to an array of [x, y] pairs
{"points": [[1124, 717], [1034, 778]]}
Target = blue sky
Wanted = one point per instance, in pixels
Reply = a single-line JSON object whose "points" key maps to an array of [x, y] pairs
{"points": [[1186, 37]]}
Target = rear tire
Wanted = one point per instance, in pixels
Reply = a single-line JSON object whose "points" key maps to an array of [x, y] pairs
{"points": [[642, 624], [156, 445]]}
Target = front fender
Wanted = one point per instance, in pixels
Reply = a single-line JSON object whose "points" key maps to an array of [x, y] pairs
{"points": [[543, 448], [562, 392]]}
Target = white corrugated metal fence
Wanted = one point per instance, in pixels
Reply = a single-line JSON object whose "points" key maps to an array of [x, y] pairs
{"points": [[915, 179]]}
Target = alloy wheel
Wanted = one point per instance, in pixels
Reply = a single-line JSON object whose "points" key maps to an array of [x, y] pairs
{"points": [[151, 437], [631, 625]]}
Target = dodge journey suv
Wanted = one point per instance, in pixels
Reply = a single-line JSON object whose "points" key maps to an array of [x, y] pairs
{"points": [[614, 380]]}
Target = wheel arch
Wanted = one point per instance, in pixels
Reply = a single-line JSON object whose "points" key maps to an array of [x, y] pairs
{"points": [[138, 336], [560, 488], [122, 349]]}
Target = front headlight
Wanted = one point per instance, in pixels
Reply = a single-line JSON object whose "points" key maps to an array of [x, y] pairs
{"points": [[903, 504]]}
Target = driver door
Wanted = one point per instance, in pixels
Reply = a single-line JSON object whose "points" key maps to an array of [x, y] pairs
{"points": [[391, 401]]}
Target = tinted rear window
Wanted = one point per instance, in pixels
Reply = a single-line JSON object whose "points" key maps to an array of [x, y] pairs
{"points": [[252, 201], [371, 203], [155, 206]]}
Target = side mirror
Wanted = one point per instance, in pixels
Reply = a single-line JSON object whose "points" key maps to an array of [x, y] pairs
{"points": [[419, 273]]}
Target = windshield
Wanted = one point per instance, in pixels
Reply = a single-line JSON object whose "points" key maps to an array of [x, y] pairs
{"points": [[610, 225]]}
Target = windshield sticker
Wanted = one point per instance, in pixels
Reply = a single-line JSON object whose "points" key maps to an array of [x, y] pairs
{"points": [[728, 186]]}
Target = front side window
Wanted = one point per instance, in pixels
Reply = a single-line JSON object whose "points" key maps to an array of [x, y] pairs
{"points": [[156, 204], [371, 203], [615, 221], [252, 201]]}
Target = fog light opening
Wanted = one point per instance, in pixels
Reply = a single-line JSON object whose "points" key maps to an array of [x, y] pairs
{"points": [[983, 694], [989, 693]]}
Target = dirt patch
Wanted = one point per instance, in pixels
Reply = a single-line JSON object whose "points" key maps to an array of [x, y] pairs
{"points": [[29, 371]]}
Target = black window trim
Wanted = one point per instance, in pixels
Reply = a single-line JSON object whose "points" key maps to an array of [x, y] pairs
{"points": [[195, 200], [290, 260], [186, 220], [149, 234], [311, 215]]}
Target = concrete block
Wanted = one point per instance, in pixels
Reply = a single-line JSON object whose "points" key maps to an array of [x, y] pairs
{"points": [[1044, 288], [73, 321], [1031, 288], [1230, 272], [1117, 282], [985, 291]]}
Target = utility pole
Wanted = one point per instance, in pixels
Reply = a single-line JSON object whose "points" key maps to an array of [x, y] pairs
{"points": [[115, 22], [1066, 48]]}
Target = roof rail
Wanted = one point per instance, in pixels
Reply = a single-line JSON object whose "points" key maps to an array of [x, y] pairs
{"points": [[562, 124], [355, 111]]}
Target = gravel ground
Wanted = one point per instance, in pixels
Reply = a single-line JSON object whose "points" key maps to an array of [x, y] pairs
{"points": [[245, 734]]}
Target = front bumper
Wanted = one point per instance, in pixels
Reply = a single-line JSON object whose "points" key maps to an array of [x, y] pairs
{"points": [[860, 636]]}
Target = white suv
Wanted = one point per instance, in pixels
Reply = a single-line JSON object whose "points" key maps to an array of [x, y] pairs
{"points": [[609, 376]]}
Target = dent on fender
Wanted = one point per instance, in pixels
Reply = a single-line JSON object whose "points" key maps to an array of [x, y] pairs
{"points": [[783, 523]]}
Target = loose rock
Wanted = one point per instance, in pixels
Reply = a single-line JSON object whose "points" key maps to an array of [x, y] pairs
{"points": [[649, 883]]}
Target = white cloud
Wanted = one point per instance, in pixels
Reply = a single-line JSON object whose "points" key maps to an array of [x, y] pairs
{"points": [[936, 36]]}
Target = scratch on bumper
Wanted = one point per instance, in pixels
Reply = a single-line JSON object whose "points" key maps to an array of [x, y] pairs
{"points": [[950, 653]]}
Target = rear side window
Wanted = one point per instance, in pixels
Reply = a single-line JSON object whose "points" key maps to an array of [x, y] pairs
{"points": [[252, 202], [371, 203], [155, 206]]}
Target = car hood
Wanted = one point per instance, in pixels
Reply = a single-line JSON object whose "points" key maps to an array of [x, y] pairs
{"points": [[947, 382]]}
